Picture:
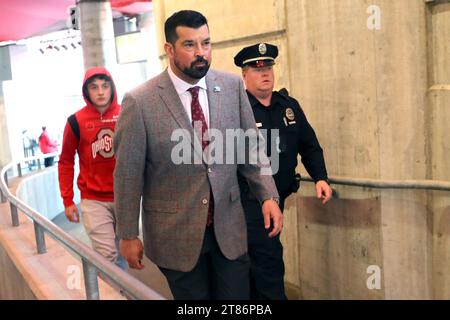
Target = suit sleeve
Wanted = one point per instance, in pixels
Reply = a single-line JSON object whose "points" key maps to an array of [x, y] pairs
{"points": [[66, 165], [309, 149], [260, 181], [130, 146]]}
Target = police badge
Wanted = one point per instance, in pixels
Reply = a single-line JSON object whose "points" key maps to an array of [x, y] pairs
{"points": [[262, 48]]}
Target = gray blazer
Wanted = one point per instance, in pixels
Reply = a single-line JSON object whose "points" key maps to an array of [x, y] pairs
{"points": [[175, 197]]}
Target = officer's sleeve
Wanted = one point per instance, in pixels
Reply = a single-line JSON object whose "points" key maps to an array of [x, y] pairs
{"points": [[309, 148]]}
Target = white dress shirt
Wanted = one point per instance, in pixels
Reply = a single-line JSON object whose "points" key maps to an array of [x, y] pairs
{"points": [[182, 88]]}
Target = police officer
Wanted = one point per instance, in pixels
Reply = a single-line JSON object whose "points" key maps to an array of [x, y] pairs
{"points": [[276, 110]]}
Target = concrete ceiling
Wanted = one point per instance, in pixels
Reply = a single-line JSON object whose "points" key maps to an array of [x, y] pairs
{"points": [[20, 19]]}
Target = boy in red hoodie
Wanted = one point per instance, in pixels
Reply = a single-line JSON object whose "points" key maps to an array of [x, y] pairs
{"points": [[47, 145], [90, 132]]}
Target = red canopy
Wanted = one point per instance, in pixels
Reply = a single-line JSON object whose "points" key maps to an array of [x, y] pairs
{"points": [[20, 19]]}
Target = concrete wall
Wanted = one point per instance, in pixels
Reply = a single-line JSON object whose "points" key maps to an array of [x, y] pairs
{"points": [[439, 119], [13, 285], [365, 92], [376, 92]]}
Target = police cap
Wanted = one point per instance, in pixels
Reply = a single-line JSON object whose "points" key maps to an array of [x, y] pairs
{"points": [[257, 56]]}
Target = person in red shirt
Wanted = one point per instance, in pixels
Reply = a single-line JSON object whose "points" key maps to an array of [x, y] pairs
{"points": [[89, 133], [47, 146]]}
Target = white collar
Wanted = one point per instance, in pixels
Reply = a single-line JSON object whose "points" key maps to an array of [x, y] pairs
{"points": [[182, 86]]}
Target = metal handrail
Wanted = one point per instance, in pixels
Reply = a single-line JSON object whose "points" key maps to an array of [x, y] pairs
{"points": [[388, 184], [91, 260]]}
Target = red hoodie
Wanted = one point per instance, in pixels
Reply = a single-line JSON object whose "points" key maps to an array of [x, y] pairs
{"points": [[94, 148], [46, 144]]}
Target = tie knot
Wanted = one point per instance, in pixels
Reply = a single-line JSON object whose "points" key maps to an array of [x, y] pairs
{"points": [[194, 91]]}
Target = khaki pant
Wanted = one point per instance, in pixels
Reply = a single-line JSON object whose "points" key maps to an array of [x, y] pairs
{"points": [[100, 221]]}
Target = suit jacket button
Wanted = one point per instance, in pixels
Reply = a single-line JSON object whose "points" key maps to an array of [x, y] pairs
{"points": [[205, 201]]}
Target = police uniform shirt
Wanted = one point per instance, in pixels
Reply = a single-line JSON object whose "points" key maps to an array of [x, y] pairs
{"points": [[296, 137]]}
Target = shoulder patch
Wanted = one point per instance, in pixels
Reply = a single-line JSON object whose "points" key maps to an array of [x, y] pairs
{"points": [[295, 104], [290, 115]]}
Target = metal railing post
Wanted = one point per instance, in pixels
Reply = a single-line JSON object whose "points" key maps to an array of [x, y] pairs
{"points": [[90, 281], [2, 197], [19, 169], [6, 179], [14, 215], [39, 164], [40, 238]]}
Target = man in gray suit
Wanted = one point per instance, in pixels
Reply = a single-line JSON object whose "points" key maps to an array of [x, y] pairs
{"points": [[193, 222]]}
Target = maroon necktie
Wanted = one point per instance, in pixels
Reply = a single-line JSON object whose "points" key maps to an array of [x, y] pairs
{"points": [[198, 116]]}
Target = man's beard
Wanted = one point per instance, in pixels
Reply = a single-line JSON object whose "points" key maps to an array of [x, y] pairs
{"points": [[193, 71]]}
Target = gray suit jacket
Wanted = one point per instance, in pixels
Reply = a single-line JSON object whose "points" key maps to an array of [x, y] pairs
{"points": [[175, 197]]}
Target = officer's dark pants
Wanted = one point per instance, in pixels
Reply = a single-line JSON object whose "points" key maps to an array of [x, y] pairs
{"points": [[213, 278], [266, 254]]}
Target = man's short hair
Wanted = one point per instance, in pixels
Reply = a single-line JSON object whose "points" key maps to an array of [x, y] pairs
{"points": [[92, 79], [184, 18]]}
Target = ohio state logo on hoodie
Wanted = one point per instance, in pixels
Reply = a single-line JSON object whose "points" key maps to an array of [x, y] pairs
{"points": [[104, 144]]}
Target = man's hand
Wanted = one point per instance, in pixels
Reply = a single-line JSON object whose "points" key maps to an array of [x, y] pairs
{"points": [[271, 210], [72, 213], [133, 252], [323, 191]]}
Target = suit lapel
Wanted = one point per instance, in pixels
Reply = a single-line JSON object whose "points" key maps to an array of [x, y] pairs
{"points": [[171, 99]]}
